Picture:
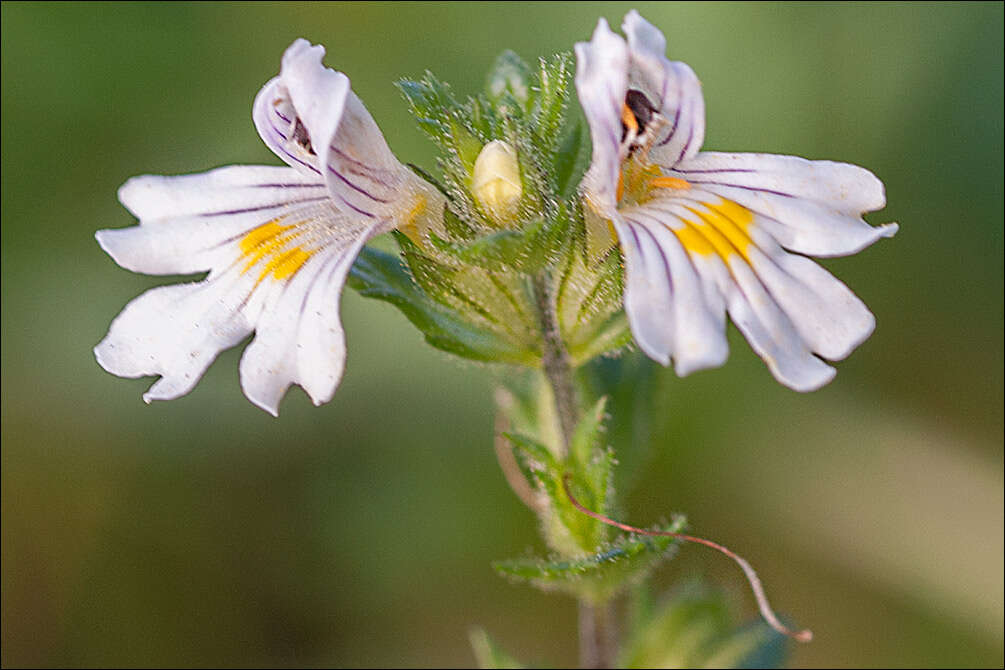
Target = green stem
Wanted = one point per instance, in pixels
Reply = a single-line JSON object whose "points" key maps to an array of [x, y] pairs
{"points": [[596, 630], [596, 635], [555, 361]]}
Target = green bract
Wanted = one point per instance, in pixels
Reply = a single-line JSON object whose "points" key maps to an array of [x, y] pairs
{"points": [[472, 292]]}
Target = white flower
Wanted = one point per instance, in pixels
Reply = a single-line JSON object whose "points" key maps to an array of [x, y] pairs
{"points": [[278, 243], [706, 233]]}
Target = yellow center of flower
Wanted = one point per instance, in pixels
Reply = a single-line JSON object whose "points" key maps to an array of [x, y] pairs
{"points": [[270, 243], [638, 181], [720, 229]]}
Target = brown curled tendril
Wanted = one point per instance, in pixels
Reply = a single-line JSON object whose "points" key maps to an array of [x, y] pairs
{"points": [[755, 582]]}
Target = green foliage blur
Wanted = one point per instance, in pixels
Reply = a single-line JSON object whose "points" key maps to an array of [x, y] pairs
{"points": [[204, 532]]}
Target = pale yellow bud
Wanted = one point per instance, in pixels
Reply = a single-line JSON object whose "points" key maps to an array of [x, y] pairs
{"points": [[496, 181]]}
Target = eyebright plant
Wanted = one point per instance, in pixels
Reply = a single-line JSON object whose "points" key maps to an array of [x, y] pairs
{"points": [[551, 234]]}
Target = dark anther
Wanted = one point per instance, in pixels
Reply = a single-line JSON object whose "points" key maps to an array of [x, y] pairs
{"points": [[641, 108], [301, 137]]}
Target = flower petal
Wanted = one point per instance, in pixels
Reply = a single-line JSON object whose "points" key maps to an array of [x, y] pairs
{"points": [[831, 320], [177, 331], [602, 82], [277, 269], [788, 307], [673, 313], [811, 207], [671, 86], [311, 118], [301, 107], [192, 223], [299, 338], [771, 334]]}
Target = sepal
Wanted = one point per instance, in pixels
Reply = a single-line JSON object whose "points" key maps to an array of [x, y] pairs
{"points": [[380, 275], [537, 245]]}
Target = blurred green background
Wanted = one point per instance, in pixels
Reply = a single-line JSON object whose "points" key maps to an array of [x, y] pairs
{"points": [[203, 531]]}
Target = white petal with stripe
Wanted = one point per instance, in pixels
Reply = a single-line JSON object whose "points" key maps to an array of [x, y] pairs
{"points": [[299, 338], [602, 81], [310, 118], [673, 312], [193, 223], [278, 242], [705, 233], [671, 86], [811, 207], [277, 268]]}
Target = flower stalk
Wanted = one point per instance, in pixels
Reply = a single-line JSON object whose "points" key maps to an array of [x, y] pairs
{"points": [[555, 361], [597, 634]]}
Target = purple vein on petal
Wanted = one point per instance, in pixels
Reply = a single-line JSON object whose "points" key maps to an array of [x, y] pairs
{"points": [[259, 208], [745, 188], [354, 186]]}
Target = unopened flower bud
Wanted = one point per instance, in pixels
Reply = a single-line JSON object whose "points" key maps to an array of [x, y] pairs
{"points": [[496, 180]]}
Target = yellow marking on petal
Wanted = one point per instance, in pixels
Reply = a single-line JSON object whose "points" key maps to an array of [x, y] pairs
{"points": [[669, 182], [288, 264], [691, 238], [410, 227], [269, 242], [635, 181], [733, 221], [418, 209], [628, 118], [721, 230], [719, 242], [739, 214], [261, 234]]}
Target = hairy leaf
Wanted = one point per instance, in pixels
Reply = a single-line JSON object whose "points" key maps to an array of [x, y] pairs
{"points": [[380, 275], [600, 576]]}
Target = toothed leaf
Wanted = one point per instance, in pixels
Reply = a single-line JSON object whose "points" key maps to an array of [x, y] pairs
{"points": [[600, 576]]}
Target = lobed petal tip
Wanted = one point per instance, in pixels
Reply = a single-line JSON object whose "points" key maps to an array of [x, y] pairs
{"points": [[302, 49], [111, 242], [713, 358], [129, 192], [100, 357], [633, 19], [657, 354], [105, 239], [604, 32], [813, 384], [264, 404]]}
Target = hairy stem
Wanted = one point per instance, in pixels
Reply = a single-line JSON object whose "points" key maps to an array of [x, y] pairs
{"points": [[596, 622], [596, 635], [555, 361]]}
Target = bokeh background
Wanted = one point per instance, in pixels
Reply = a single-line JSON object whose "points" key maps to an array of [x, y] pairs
{"points": [[203, 531]]}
